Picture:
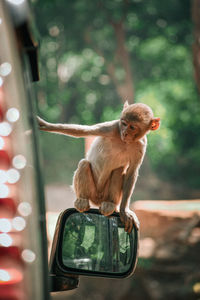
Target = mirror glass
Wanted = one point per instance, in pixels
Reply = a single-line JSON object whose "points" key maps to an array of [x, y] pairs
{"points": [[97, 243]]}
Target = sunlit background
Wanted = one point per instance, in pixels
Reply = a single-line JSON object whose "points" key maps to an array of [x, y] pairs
{"points": [[94, 55], [92, 62]]}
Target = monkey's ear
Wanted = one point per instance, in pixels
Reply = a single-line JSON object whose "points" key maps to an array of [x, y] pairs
{"points": [[125, 105], [155, 124]]}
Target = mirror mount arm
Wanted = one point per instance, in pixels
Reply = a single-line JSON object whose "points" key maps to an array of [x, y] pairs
{"points": [[60, 281], [63, 283]]}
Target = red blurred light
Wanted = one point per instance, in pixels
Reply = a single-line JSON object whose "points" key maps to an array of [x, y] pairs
{"points": [[5, 160], [11, 263], [13, 252], [14, 293], [8, 207], [11, 274], [1, 104], [15, 276], [1, 114], [11, 289]]}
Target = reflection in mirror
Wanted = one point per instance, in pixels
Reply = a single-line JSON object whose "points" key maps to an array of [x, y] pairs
{"points": [[97, 243]]}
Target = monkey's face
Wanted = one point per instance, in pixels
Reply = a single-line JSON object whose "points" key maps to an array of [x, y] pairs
{"points": [[128, 130], [136, 120]]}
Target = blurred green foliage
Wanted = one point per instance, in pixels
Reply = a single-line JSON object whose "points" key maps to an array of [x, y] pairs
{"points": [[77, 44]]}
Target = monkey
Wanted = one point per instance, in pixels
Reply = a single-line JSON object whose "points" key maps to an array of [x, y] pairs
{"points": [[107, 175]]}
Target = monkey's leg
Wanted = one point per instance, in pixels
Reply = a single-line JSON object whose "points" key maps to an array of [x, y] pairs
{"points": [[84, 186], [114, 195]]}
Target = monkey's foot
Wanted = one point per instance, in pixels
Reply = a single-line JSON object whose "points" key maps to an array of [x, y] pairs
{"points": [[129, 218], [107, 208], [82, 204]]}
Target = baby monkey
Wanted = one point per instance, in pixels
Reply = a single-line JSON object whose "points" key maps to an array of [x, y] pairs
{"points": [[108, 174]]}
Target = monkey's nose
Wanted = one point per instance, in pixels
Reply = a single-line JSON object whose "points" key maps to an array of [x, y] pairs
{"points": [[123, 135]]}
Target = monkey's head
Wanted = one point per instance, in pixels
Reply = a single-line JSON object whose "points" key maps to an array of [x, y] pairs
{"points": [[136, 120]]}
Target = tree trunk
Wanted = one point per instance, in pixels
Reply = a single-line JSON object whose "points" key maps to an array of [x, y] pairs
{"points": [[121, 58], [125, 89], [196, 44]]}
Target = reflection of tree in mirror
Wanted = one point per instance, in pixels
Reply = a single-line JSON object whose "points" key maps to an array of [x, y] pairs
{"points": [[73, 236], [120, 245], [124, 244], [95, 242], [114, 247]]}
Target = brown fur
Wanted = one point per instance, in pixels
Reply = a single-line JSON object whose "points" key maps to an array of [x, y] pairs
{"points": [[108, 174]]}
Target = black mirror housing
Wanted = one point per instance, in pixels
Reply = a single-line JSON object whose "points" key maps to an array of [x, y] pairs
{"points": [[93, 245]]}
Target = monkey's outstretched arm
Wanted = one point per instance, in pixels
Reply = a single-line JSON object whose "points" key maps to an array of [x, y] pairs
{"points": [[128, 217], [101, 129]]}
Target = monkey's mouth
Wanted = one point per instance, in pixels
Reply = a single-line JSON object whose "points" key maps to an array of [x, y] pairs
{"points": [[125, 137]]}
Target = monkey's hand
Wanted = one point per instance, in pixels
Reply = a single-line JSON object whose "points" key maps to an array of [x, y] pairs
{"points": [[129, 218], [42, 123]]}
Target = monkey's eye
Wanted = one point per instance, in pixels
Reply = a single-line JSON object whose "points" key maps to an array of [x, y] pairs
{"points": [[124, 123], [132, 127]]}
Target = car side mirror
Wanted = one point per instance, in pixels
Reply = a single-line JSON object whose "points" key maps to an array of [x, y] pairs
{"points": [[93, 245]]}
